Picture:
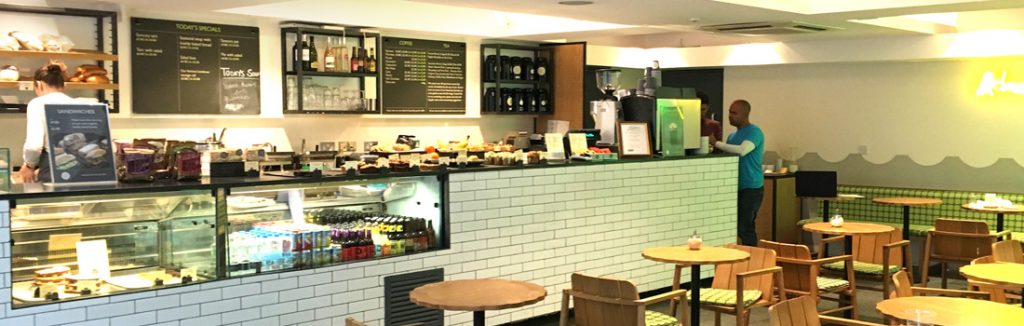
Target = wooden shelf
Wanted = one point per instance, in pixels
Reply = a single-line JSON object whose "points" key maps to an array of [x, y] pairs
{"points": [[69, 85], [74, 55]]}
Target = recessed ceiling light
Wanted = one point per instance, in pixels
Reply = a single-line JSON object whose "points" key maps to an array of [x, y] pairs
{"points": [[575, 3]]}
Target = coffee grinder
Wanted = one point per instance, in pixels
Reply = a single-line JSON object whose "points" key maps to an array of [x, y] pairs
{"points": [[607, 111]]}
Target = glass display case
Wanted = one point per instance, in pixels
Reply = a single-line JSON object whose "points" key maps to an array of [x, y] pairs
{"points": [[306, 225], [65, 248]]}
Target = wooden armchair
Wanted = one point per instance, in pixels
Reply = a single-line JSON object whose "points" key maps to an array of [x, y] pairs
{"points": [[803, 311], [956, 241], [875, 257], [1007, 251], [349, 321], [740, 286], [902, 287], [612, 302], [803, 275], [997, 293]]}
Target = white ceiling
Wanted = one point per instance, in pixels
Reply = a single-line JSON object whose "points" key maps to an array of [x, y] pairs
{"points": [[626, 23]]}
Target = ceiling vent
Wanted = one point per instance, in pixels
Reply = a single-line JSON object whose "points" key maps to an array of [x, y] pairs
{"points": [[767, 28]]}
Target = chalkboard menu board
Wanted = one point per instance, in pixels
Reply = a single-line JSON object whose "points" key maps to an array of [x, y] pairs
{"points": [[194, 68], [423, 76]]}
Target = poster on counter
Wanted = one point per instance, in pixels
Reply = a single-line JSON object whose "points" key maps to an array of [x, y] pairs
{"points": [[79, 143], [194, 68], [423, 76], [634, 139]]}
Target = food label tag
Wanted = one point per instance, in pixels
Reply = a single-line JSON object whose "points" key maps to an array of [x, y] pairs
{"points": [[444, 160], [578, 143], [461, 159], [555, 146], [462, 154], [351, 165], [383, 162], [520, 156], [414, 160], [313, 166], [394, 157]]}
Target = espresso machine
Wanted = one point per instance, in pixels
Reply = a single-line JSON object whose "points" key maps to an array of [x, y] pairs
{"points": [[607, 111]]}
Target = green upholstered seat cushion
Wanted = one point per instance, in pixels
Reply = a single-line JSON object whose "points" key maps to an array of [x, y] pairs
{"points": [[861, 267], [828, 283], [725, 297], [654, 318]]}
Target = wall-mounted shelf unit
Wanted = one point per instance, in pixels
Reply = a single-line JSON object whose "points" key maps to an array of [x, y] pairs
{"points": [[321, 91], [516, 80]]}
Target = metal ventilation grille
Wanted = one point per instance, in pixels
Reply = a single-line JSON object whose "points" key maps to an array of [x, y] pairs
{"points": [[398, 310], [767, 28]]}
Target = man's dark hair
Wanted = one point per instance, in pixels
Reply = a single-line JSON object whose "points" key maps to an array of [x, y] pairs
{"points": [[704, 99], [744, 105]]}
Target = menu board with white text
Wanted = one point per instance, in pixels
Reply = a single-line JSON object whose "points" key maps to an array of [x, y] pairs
{"points": [[423, 76]]}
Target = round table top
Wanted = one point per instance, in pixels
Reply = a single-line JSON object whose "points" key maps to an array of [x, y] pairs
{"points": [[682, 255], [1016, 209], [848, 228], [907, 201], [951, 311], [840, 197], [998, 273], [477, 295]]}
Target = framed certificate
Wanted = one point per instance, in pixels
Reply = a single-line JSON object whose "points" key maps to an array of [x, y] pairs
{"points": [[634, 139]]}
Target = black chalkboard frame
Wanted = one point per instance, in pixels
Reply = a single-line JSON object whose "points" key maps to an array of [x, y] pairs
{"points": [[384, 47]]}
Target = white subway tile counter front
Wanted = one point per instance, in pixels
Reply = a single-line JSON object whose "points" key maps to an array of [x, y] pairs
{"points": [[533, 224]]}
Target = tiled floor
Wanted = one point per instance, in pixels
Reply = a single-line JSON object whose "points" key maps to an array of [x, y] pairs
{"points": [[866, 301]]}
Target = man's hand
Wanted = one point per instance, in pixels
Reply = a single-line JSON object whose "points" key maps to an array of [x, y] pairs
{"points": [[27, 174], [712, 140]]}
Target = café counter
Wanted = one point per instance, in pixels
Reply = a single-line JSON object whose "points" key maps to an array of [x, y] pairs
{"points": [[282, 250]]}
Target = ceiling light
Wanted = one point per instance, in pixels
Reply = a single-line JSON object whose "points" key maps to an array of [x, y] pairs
{"points": [[575, 3]]}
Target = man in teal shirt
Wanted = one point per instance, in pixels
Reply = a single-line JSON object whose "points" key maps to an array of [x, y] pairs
{"points": [[748, 142]]}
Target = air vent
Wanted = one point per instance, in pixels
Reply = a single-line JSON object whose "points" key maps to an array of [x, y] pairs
{"points": [[398, 310], [767, 28]]}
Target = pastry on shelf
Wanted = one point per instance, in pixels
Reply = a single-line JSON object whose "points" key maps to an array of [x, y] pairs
{"points": [[52, 275], [9, 73], [91, 74], [83, 283], [9, 43], [28, 41]]}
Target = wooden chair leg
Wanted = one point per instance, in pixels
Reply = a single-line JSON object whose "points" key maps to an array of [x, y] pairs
{"points": [[944, 266], [853, 304], [886, 280], [684, 310], [925, 257], [675, 286], [718, 319], [563, 320]]}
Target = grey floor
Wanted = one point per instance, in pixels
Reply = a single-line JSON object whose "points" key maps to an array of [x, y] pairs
{"points": [[866, 301]]}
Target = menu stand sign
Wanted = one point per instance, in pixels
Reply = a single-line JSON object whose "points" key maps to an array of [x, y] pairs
{"points": [[634, 139], [79, 144]]}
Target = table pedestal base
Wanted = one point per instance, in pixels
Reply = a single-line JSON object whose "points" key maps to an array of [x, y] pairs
{"points": [[478, 318], [695, 294]]}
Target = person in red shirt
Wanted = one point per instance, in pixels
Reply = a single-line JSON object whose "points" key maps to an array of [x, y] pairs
{"points": [[708, 127]]}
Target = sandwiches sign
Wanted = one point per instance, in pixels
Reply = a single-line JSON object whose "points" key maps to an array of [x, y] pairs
{"points": [[78, 140]]}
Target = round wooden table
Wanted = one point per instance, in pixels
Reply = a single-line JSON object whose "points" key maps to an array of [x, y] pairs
{"points": [[951, 311], [999, 211], [684, 256], [906, 202], [1007, 275], [477, 296]]}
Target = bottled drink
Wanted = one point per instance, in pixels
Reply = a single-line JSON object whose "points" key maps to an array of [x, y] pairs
{"points": [[354, 56], [297, 55], [368, 247], [431, 237], [305, 54], [372, 67], [345, 63], [329, 64], [314, 59]]}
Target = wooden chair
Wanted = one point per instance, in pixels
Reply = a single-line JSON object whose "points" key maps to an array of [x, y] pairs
{"points": [[997, 293], [612, 302], [956, 241], [902, 287], [803, 311], [803, 275], [1007, 251], [875, 257], [740, 286]]}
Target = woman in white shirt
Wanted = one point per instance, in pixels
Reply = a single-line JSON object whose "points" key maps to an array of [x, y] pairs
{"points": [[49, 85]]}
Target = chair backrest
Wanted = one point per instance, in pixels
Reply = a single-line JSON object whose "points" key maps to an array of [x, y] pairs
{"points": [[868, 248], [901, 285], [352, 322], [797, 276], [957, 247], [1007, 251], [997, 294], [595, 313], [801, 311], [760, 258]]}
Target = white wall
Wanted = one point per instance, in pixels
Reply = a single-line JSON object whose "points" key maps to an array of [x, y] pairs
{"points": [[925, 109]]}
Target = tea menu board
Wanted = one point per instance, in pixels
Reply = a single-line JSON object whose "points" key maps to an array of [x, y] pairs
{"points": [[423, 76], [194, 68]]}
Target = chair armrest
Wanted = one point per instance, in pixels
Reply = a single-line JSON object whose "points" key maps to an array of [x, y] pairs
{"points": [[1004, 233], [949, 292], [843, 321], [759, 272], [901, 243], [833, 239], [662, 297], [968, 235], [829, 260]]}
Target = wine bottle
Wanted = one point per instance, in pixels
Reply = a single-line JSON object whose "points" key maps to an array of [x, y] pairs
{"points": [[305, 54], [373, 62], [345, 65], [314, 60], [354, 60], [296, 55], [329, 56]]}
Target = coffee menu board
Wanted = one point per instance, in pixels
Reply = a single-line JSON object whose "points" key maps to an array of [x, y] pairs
{"points": [[423, 76], [194, 68]]}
